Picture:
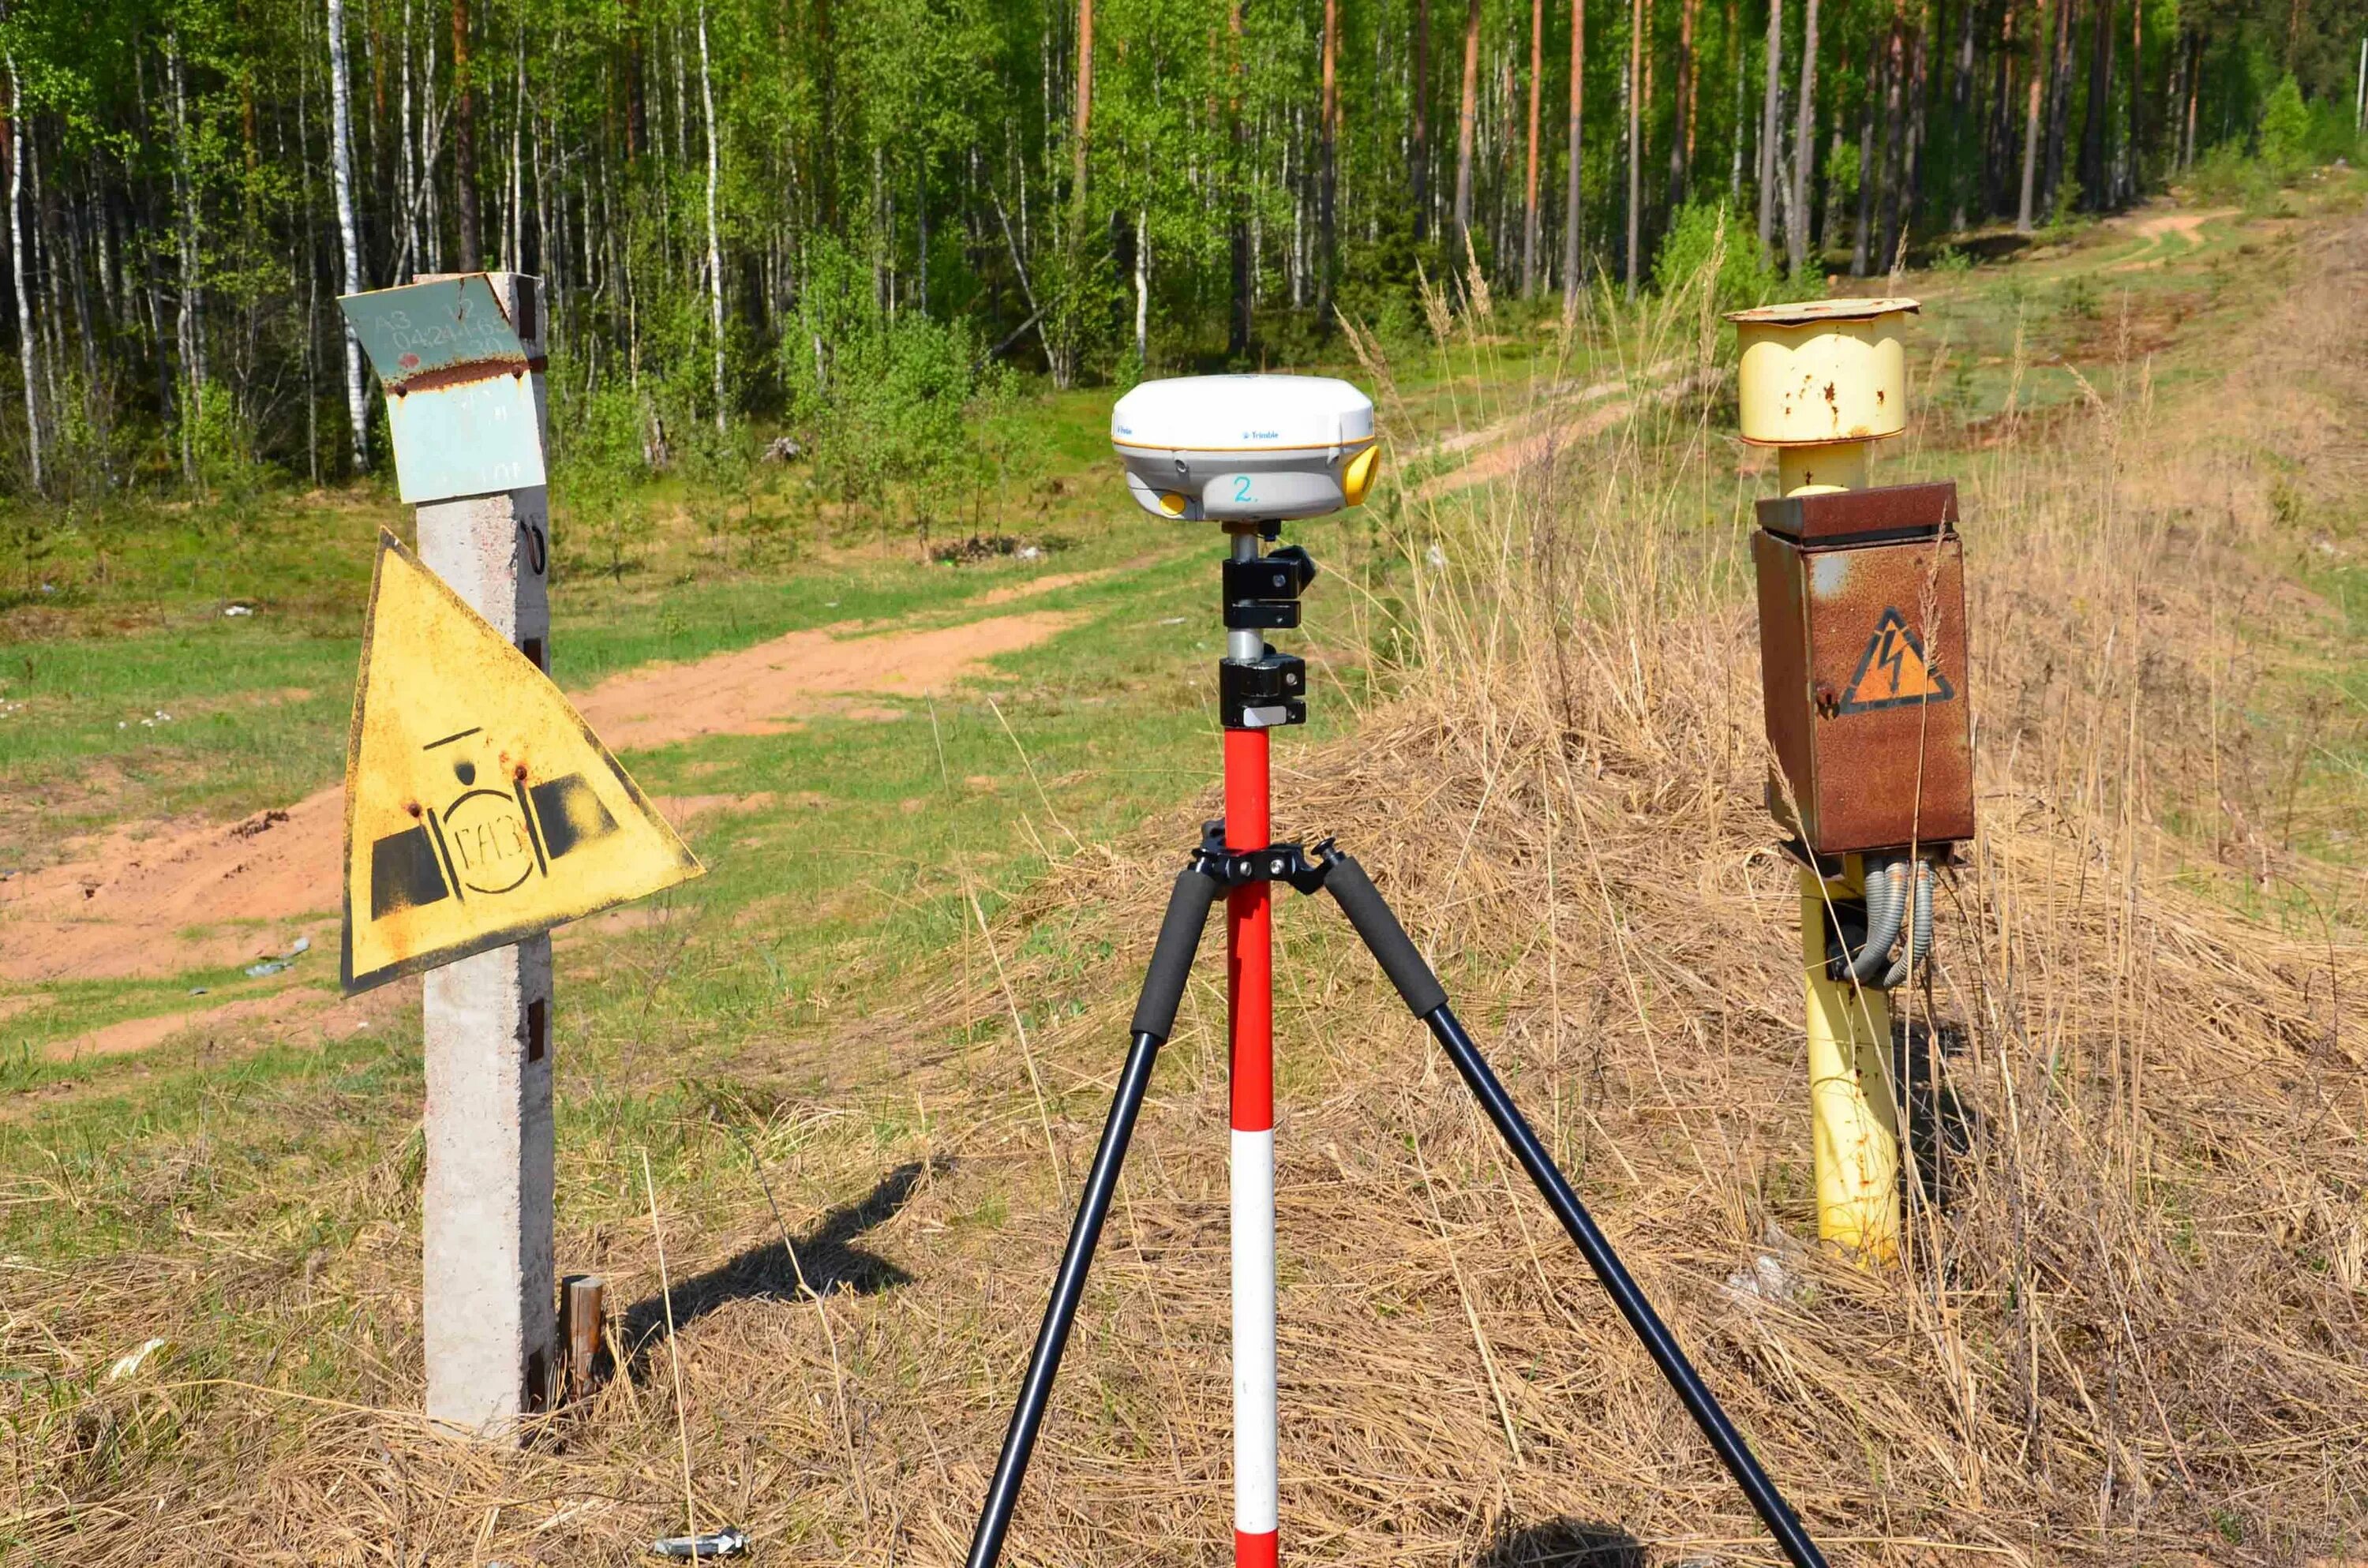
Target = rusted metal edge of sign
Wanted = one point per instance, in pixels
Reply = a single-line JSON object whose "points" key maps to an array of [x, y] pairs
{"points": [[443, 331]]}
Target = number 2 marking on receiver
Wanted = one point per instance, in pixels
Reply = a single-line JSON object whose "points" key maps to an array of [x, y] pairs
{"points": [[1241, 487]]}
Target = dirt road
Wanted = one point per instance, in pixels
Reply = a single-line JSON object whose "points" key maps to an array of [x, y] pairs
{"points": [[157, 899]]}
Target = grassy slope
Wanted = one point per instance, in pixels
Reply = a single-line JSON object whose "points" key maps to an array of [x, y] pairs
{"points": [[816, 1015]]}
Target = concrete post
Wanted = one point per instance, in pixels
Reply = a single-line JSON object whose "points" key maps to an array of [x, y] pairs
{"points": [[488, 1297]]}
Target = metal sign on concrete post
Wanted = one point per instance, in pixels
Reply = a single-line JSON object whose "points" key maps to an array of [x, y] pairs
{"points": [[460, 358]]}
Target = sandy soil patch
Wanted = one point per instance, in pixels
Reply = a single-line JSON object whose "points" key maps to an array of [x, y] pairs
{"points": [[126, 903], [2158, 228]]}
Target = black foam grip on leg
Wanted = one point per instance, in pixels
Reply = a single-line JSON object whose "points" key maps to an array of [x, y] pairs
{"points": [[1171, 957], [1400, 960]]}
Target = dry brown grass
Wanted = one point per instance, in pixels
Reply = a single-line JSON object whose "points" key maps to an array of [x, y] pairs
{"points": [[2132, 1333]]}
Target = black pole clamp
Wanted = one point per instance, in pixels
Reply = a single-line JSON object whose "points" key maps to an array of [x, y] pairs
{"points": [[1288, 863]]}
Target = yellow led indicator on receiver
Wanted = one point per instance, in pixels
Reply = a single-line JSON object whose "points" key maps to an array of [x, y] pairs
{"points": [[1171, 503]]}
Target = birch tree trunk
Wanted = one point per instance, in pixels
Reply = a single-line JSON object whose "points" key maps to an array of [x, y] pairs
{"points": [[1327, 234], [1805, 132], [350, 250], [715, 249], [193, 322], [25, 331], [1768, 130]]}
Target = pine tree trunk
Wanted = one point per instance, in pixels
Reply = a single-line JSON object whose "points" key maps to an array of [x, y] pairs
{"points": [[350, 250], [1574, 236], [1895, 138], [1465, 118], [2023, 219], [1805, 150], [1863, 232], [1681, 132], [1084, 128], [1418, 146], [2137, 97], [1635, 138], [464, 140], [1736, 71], [2059, 105], [715, 249], [1530, 190], [2095, 153]]}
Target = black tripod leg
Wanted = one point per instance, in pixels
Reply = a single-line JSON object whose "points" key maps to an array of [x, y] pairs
{"points": [[1408, 970], [1155, 1016]]}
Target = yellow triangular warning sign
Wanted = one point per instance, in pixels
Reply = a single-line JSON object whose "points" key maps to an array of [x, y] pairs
{"points": [[1893, 672], [480, 809]]}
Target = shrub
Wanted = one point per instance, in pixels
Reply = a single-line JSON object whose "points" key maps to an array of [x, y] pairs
{"points": [[1704, 236], [2286, 131], [886, 398]]}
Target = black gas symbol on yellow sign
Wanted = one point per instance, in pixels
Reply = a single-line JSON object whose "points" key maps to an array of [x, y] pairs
{"points": [[1894, 670], [479, 807]]}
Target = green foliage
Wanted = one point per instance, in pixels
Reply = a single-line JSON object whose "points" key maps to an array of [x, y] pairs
{"points": [[896, 405], [1705, 241], [598, 434], [2285, 131], [2228, 175]]}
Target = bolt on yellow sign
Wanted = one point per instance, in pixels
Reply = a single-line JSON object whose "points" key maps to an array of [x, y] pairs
{"points": [[479, 808]]}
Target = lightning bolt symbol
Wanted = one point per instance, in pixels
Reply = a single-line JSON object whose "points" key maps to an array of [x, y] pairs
{"points": [[1893, 656]]}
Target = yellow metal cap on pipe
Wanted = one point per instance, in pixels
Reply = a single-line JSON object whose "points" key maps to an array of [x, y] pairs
{"points": [[1824, 370]]}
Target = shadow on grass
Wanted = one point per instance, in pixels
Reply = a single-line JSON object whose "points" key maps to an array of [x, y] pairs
{"points": [[1561, 1543], [824, 1260]]}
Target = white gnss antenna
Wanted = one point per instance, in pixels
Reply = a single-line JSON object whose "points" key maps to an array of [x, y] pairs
{"points": [[1245, 449]]}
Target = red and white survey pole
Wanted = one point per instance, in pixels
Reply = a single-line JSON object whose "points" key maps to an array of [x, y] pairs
{"points": [[1249, 1012]]}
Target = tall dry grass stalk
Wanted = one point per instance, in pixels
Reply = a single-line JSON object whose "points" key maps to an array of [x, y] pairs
{"points": [[2128, 1326]]}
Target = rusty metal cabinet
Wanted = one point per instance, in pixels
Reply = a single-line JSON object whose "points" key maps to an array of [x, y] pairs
{"points": [[1863, 667]]}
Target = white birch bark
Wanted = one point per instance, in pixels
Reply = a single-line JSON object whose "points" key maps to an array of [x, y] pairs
{"points": [[26, 351], [1141, 287], [714, 250], [193, 322], [350, 250]]}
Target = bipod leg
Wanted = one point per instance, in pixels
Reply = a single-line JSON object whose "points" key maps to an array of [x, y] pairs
{"points": [[1154, 1018], [1404, 964]]}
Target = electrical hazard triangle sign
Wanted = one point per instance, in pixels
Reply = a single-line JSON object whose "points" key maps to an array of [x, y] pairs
{"points": [[1893, 672], [479, 808]]}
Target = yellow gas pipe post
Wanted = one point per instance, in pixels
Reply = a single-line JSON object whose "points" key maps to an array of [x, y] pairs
{"points": [[1821, 382]]}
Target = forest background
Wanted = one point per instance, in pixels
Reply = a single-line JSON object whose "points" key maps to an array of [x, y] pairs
{"points": [[858, 221]]}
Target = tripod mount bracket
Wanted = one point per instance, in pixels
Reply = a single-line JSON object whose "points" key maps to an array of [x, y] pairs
{"points": [[1264, 693], [1290, 862]]}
